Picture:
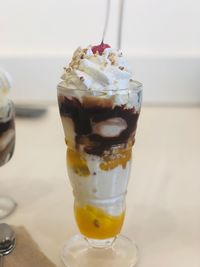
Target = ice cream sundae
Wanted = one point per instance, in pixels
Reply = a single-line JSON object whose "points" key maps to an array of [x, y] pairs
{"points": [[7, 128], [99, 104]]}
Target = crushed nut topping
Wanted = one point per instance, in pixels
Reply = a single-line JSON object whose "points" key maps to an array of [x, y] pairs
{"points": [[112, 58], [67, 69], [85, 50]]}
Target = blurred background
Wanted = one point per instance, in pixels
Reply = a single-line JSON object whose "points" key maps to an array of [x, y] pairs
{"points": [[161, 39]]}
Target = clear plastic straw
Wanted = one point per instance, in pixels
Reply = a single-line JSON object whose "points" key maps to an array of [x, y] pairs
{"points": [[120, 24], [106, 19]]}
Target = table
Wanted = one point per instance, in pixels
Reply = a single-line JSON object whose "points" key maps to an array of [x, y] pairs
{"points": [[163, 202]]}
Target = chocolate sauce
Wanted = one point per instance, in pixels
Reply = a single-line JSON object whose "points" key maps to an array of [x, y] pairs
{"points": [[73, 109], [84, 117], [4, 126], [6, 151]]}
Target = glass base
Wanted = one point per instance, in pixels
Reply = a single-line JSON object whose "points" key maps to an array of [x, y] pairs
{"points": [[78, 252], [7, 206]]}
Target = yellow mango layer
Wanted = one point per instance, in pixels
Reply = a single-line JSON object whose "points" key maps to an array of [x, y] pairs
{"points": [[78, 163], [96, 223], [121, 158]]}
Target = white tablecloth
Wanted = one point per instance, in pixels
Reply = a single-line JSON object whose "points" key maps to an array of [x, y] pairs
{"points": [[163, 202]]}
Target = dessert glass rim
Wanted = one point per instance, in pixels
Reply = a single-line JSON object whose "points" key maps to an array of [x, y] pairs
{"points": [[135, 86]]}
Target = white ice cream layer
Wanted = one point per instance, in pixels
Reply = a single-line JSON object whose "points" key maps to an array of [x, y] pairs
{"points": [[68, 127], [5, 85], [110, 127], [99, 184]]}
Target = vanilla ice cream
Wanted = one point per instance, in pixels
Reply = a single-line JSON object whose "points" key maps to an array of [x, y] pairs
{"points": [[5, 86]]}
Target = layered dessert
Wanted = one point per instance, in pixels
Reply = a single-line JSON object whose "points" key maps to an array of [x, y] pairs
{"points": [[99, 104], [7, 127]]}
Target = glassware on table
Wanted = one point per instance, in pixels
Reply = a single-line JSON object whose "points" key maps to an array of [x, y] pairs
{"points": [[99, 139], [7, 145]]}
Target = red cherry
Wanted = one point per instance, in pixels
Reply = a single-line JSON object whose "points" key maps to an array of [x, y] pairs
{"points": [[100, 48]]}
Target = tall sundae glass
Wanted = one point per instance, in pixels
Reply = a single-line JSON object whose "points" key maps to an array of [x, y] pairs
{"points": [[7, 137], [99, 105]]}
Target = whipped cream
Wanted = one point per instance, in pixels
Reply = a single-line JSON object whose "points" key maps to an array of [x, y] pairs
{"points": [[95, 72], [5, 85]]}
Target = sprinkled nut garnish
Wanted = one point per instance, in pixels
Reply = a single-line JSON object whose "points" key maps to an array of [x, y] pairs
{"points": [[74, 64], [68, 69], [112, 58], [82, 78], [85, 50], [121, 68], [96, 223]]}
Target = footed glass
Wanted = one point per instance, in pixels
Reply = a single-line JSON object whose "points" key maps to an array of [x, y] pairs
{"points": [[99, 129]]}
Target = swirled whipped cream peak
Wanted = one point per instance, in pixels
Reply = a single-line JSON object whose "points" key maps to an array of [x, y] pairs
{"points": [[97, 68], [5, 86]]}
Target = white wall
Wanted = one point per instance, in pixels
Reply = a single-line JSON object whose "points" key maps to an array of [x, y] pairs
{"points": [[58, 26], [155, 30]]}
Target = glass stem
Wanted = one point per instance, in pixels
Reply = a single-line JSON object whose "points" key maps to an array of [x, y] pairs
{"points": [[98, 243]]}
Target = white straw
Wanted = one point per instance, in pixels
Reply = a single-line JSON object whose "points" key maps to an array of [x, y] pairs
{"points": [[120, 24], [106, 19]]}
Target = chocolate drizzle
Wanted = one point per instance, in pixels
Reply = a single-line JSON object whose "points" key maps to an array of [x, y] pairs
{"points": [[73, 109], [6, 152], [84, 117], [4, 126]]}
